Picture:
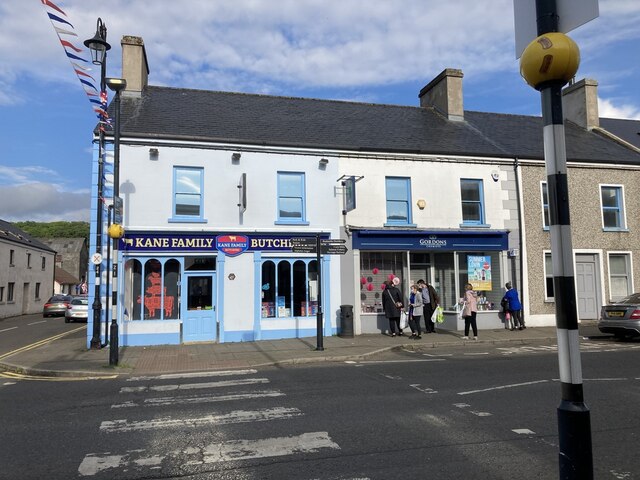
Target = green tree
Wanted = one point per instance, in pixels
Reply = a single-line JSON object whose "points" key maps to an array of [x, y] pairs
{"points": [[55, 229]]}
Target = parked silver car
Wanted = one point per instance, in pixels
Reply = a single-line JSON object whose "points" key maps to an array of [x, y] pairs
{"points": [[56, 305], [621, 318], [78, 309]]}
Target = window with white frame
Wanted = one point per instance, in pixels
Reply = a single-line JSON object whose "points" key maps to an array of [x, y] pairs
{"points": [[398, 193], [291, 197], [619, 275], [612, 199], [472, 194], [188, 193], [544, 196], [548, 278]]}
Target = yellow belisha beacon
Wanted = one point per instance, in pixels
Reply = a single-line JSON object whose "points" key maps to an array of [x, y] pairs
{"points": [[552, 57]]}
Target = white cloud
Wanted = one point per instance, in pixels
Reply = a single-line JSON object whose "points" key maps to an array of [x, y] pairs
{"points": [[607, 109], [42, 202]]}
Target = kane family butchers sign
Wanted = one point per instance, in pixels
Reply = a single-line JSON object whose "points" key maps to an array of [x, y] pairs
{"points": [[229, 244]]}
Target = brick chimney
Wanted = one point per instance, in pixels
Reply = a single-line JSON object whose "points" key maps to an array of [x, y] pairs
{"points": [[444, 93], [135, 68], [580, 103]]}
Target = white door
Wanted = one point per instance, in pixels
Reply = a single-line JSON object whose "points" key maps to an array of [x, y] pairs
{"points": [[586, 287]]}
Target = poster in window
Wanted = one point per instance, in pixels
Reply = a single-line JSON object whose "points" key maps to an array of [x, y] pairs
{"points": [[479, 272]]}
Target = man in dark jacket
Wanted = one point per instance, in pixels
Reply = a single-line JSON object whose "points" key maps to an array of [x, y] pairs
{"points": [[430, 300], [392, 305]]}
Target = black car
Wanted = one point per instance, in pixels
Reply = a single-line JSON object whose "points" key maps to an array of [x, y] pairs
{"points": [[621, 318], [56, 305]]}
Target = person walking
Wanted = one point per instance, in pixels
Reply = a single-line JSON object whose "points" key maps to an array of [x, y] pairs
{"points": [[514, 307], [415, 312], [470, 311], [430, 300], [392, 306]]}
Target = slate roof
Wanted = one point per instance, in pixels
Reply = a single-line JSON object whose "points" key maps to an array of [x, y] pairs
{"points": [[66, 245], [628, 130], [13, 234], [184, 114], [62, 277]]}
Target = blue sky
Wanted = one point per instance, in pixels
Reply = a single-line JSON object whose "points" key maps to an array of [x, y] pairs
{"points": [[379, 51]]}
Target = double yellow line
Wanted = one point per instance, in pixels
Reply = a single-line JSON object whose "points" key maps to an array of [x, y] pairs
{"points": [[40, 343]]}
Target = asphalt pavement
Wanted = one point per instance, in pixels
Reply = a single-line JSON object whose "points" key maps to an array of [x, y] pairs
{"points": [[67, 355]]}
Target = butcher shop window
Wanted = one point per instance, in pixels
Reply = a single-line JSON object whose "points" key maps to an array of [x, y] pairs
{"points": [[152, 289]]}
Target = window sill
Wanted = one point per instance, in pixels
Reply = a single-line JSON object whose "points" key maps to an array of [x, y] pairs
{"points": [[187, 220], [605, 229], [545, 229], [475, 225], [293, 222], [550, 300], [408, 225]]}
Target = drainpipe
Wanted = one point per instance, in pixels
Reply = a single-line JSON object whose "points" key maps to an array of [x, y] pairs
{"points": [[516, 170]]}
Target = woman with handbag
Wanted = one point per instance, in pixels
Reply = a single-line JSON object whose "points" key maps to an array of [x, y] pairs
{"points": [[392, 306], [469, 311], [415, 312]]}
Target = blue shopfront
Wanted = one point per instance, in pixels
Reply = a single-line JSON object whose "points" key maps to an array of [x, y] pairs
{"points": [[446, 258], [220, 286]]}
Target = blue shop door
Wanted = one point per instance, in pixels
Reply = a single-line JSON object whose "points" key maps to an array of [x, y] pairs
{"points": [[199, 320]]}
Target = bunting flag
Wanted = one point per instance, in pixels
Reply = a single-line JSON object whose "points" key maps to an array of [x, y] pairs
{"points": [[97, 99]]}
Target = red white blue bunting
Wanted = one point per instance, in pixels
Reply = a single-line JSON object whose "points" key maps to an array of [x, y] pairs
{"points": [[74, 52]]}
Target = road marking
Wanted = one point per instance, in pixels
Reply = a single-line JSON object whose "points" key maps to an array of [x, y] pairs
{"points": [[36, 323], [193, 386], [473, 412], [475, 354], [438, 355], [603, 379], [41, 342], [215, 373], [7, 329], [370, 362], [9, 383], [523, 431], [502, 387], [426, 390], [156, 402], [234, 450], [237, 416], [44, 378]]}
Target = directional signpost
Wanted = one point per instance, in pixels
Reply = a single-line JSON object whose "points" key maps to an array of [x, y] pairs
{"points": [[319, 246]]}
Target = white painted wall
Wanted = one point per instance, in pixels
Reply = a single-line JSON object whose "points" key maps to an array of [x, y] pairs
{"points": [[438, 183]]}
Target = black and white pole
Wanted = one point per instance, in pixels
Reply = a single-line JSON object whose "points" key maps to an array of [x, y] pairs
{"points": [[547, 64]]}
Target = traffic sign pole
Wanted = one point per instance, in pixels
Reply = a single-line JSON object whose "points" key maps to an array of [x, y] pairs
{"points": [[319, 316]]}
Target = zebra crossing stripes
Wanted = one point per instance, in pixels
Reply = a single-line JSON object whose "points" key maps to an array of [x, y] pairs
{"points": [[195, 399], [192, 386], [149, 458], [233, 450], [237, 416]]}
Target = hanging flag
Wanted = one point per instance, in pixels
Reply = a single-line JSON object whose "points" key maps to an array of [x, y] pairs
{"points": [[99, 105]]}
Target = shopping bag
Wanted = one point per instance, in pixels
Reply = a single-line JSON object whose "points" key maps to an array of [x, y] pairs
{"points": [[439, 314], [404, 320]]}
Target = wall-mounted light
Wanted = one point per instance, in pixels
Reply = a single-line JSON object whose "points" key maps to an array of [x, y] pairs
{"points": [[495, 175], [153, 154], [235, 158], [421, 204], [322, 163]]}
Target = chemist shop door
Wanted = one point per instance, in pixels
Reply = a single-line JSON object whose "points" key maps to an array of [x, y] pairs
{"points": [[200, 318]]}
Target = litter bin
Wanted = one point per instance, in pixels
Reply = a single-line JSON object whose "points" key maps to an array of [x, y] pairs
{"points": [[346, 321]]}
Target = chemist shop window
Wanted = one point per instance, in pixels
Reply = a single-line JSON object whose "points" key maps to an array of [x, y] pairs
{"points": [[375, 269], [472, 195], [482, 271], [289, 288], [152, 289]]}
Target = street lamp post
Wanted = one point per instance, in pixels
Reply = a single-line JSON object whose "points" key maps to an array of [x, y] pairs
{"points": [[116, 231], [98, 46]]}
